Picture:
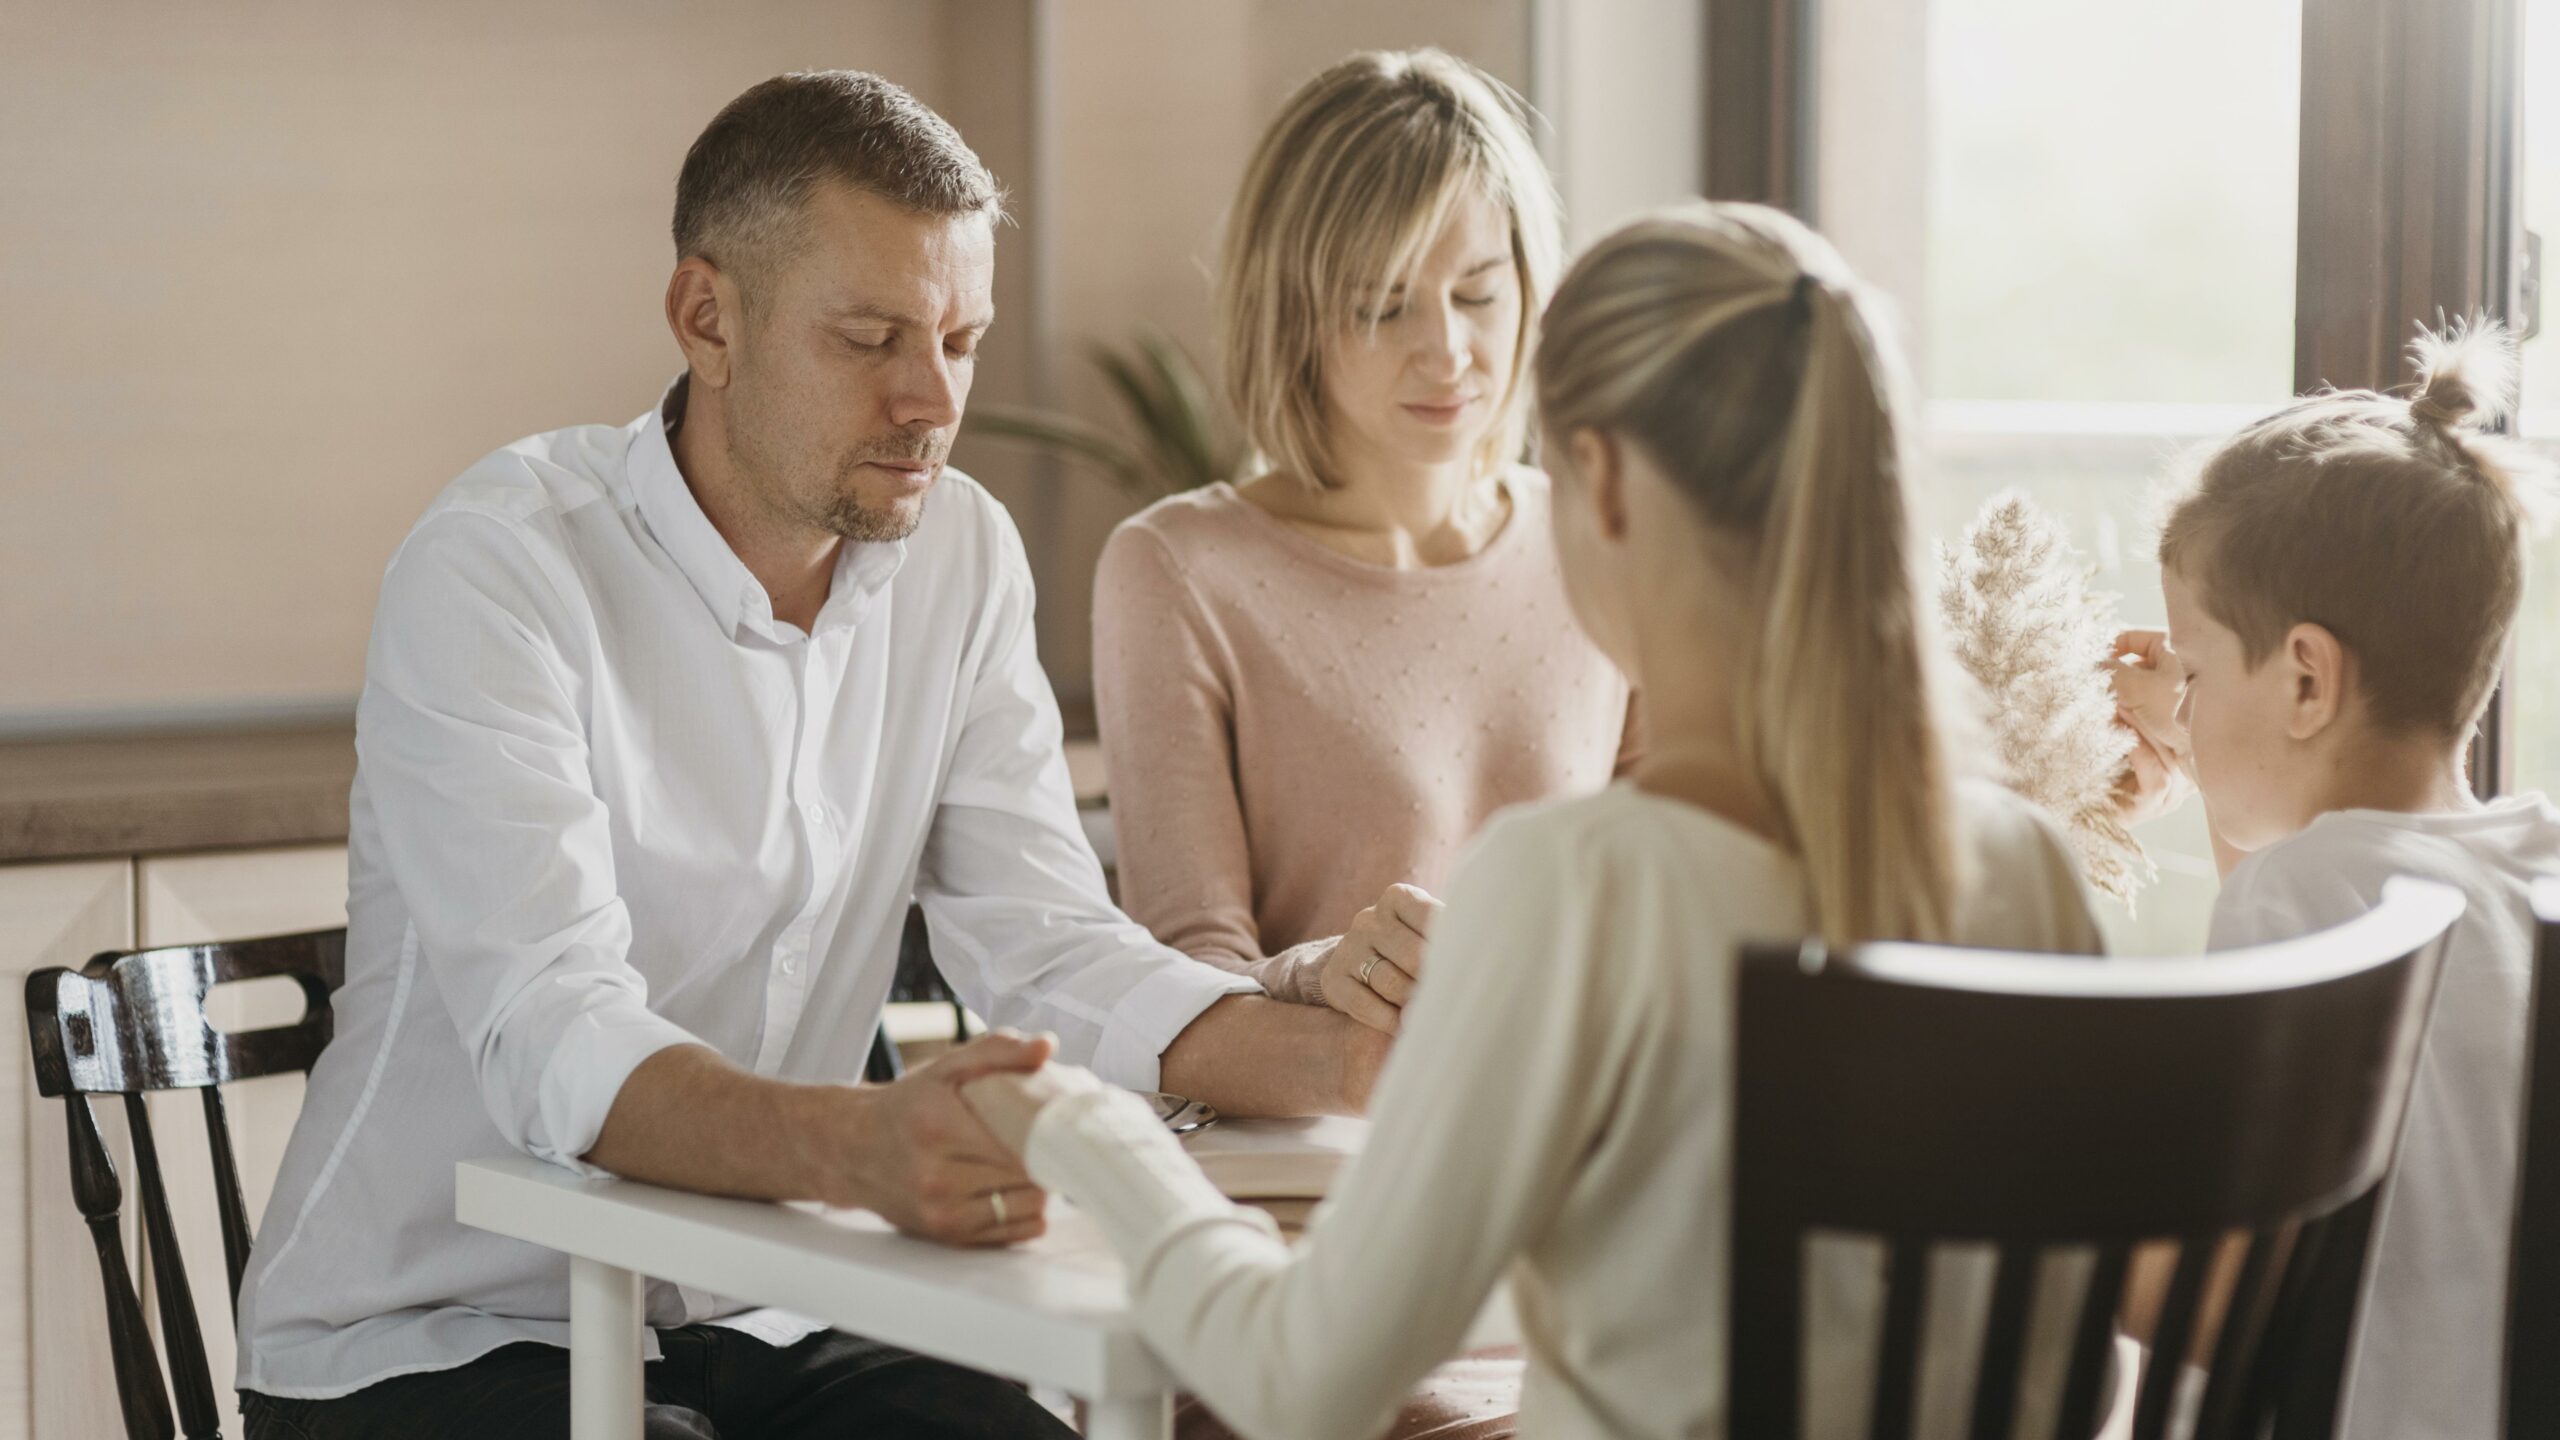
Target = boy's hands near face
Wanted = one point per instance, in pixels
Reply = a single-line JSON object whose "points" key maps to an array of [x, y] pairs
{"points": [[2150, 685], [2152, 785]]}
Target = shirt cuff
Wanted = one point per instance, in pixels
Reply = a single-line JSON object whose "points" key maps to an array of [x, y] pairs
{"points": [[594, 1056], [1151, 1014]]}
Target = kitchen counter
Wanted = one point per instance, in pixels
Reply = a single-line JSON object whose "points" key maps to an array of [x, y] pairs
{"points": [[154, 794]]}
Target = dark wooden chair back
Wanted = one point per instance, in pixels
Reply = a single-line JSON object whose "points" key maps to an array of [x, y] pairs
{"points": [[133, 1023], [2533, 1266], [917, 980], [1926, 1096]]}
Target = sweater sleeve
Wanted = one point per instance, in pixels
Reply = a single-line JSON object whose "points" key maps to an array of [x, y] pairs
{"points": [[1501, 1078], [1163, 694]]}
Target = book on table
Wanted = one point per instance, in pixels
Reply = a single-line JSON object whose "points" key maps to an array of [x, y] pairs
{"points": [[1276, 1159]]}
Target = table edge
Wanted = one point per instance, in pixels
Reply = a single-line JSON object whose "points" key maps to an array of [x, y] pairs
{"points": [[524, 1199]]}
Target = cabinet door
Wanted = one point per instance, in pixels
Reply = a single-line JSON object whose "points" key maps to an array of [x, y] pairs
{"points": [[235, 895], [57, 1380]]}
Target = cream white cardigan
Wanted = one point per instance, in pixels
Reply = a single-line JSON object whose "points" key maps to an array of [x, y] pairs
{"points": [[1557, 1109]]}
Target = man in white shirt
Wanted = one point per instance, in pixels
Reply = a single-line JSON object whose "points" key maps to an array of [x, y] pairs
{"points": [[663, 726]]}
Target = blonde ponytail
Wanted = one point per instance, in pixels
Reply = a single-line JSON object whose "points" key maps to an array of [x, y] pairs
{"points": [[1729, 342], [1840, 718]]}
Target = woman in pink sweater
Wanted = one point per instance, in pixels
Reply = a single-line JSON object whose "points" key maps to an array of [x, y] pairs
{"points": [[1315, 685]]}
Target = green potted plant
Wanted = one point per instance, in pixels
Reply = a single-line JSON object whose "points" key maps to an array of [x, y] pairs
{"points": [[1183, 440]]}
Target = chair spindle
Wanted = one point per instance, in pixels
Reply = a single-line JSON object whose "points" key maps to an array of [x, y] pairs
{"points": [[181, 1335], [139, 1390]]}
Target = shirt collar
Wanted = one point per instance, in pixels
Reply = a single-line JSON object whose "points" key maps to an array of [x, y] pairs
{"points": [[737, 599]]}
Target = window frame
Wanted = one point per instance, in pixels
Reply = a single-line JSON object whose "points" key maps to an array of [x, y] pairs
{"points": [[2408, 184]]}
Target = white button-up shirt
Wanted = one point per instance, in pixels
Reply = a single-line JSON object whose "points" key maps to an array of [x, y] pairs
{"points": [[606, 803]]}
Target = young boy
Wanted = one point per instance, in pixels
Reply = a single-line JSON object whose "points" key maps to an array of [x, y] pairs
{"points": [[2341, 580]]}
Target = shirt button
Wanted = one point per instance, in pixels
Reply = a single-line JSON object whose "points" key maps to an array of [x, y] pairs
{"points": [[790, 965], [817, 813]]}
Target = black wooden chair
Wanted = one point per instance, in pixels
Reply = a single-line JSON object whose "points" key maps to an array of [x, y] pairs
{"points": [[1926, 1096], [2533, 1266], [130, 1024], [917, 980], [133, 1023]]}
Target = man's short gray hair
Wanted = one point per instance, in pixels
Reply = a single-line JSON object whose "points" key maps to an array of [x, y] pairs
{"points": [[739, 196]]}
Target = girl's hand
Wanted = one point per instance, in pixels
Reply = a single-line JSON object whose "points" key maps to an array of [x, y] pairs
{"points": [[1009, 1102], [2150, 686], [1370, 972]]}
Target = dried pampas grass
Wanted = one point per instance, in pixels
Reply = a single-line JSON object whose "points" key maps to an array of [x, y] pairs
{"points": [[2034, 636]]}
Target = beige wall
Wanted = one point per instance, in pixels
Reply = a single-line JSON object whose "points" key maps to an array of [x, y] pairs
{"points": [[1872, 172], [271, 275], [273, 283], [1618, 79], [992, 91]]}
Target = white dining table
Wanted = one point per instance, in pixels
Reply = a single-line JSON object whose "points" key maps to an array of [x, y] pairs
{"points": [[1053, 1312]]}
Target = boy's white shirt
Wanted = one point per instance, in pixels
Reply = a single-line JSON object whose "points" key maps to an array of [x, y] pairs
{"points": [[2426, 1362]]}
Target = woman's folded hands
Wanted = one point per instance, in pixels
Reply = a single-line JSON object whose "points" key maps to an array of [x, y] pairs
{"points": [[1369, 974]]}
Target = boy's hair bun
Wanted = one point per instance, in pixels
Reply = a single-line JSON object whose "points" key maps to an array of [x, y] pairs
{"points": [[2467, 383], [2466, 375]]}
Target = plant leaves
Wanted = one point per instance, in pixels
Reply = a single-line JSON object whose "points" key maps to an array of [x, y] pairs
{"points": [[1065, 435], [1181, 439], [1154, 413], [1186, 409]]}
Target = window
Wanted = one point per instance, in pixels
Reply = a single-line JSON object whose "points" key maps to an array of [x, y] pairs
{"points": [[2110, 202], [2534, 674], [2096, 265], [2540, 178]]}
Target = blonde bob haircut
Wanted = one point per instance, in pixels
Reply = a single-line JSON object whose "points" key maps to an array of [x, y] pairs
{"points": [[1345, 195]]}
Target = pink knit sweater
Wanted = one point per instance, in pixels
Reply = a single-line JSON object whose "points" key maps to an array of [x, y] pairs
{"points": [[1289, 731]]}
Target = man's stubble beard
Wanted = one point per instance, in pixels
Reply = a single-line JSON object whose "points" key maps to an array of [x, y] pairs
{"points": [[846, 515], [864, 525], [840, 511]]}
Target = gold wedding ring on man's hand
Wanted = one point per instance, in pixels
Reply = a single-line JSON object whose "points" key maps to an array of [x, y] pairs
{"points": [[1368, 965], [995, 1198]]}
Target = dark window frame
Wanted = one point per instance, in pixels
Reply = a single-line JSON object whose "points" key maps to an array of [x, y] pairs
{"points": [[2409, 206]]}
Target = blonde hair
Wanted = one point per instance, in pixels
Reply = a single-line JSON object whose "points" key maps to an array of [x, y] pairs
{"points": [[2394, 523], [1346, 192], [1731, 346]]}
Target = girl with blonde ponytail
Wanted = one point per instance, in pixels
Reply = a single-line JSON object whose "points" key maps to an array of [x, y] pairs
{"points": [[1728, 352], [1722, 420]]}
